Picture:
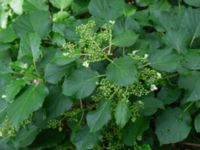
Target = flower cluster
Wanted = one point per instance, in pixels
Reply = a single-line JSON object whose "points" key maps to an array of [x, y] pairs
{"points": [[92, 45], [7, 129]]}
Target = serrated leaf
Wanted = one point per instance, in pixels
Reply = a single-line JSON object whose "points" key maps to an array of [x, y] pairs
{"points": [[30, 47], [104, 10], [122, 113], [84, 139], [192, 60], [34, 22], [28, 102], [100, 117], [122, 71], [191, 83], [125, 39], [13, 88], [57, 102], [54, 73], [172, 126], [81, 83], [197, 123], [165, 60]]}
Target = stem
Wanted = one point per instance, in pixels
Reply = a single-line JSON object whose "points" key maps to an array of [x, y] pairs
{"points": [[192, 144], [186, 109], [110, 41], [82, 115], [107, 58]]}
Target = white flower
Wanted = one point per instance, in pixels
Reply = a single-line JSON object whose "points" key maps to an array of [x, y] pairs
{"points": [[65, 54], [86, 64], [25, 65], [146, 56], [134, 52], [159, 75], [3, 96], [112, 22], [154, 87]]}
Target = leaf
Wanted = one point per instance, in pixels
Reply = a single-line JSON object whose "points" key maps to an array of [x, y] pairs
{"points": [[54, 73], [34, 22], [133, 130], [125, 39], [195, 3], [17, 6], [172, 126], [104, 10], [28, 102], [151, 105], [197, 123], [178, 40], [100, 117], [81, 83], [83, 139], [122, 113], [60, 59], [190, 21], [30, 46], [191, 83], [192, 60], [165, 60], [7, 35], [26, 136], [169, 94], [57, 102], [122, 71], [61, 4], [13, 88], [30, 5]]}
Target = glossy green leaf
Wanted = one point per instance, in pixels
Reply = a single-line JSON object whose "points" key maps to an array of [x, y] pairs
{"points": [[122, 113], [54, 73], [84, 139], [104, 10], [28, 102], [172, 126], [13, 88], [122, 71], [35, 21], [30, 5], [165, 60], [81, 83], [191, 83], [125, 39], [57, 102], [30, 47], [98, 118], [133, 130], [197, 123], [7, 35], [151, 105], [26, 136]]}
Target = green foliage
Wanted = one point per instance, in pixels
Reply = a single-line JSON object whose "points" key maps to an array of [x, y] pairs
{"points": [[99, 74]]}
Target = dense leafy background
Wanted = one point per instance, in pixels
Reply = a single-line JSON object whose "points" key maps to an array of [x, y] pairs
{"points": [[48, 100]]}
